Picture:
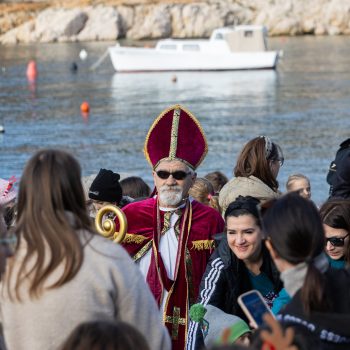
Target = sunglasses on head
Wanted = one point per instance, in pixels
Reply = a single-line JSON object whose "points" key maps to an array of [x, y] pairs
{"points": [[336, 241], [177, 175]]}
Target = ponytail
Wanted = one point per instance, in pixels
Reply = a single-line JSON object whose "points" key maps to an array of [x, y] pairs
{"points": [[213, 201], [314, 296]]}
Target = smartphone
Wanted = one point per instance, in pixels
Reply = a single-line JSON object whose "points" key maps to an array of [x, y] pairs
{"points": [[254, 306]]}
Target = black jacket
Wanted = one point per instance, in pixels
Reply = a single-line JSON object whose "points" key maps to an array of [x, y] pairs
{"points": [[225, 278], [339, 172], [333, 327]]}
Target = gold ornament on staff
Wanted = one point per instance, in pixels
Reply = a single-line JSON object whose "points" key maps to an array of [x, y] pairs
{"points": [[106, 226]]}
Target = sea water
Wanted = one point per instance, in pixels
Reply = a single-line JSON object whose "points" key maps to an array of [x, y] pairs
{"points": [[304, 106]]}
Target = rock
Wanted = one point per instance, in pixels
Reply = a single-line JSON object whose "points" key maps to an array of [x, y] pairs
{"points": [[103, 24], [126, 16], [52, 24], [287, 26], [24, 33], [337, 14], [320, 29], [196, 20], [154, 19], [308, 26], [10, 37], [151, 22]]}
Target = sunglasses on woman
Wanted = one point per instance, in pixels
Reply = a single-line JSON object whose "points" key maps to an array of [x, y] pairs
{"points": [[336, 241], [177, 175]]}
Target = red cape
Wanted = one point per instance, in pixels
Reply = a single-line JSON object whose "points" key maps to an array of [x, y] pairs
{"points": [[204, 224]]}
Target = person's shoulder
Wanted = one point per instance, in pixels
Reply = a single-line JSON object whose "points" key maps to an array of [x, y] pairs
{"points": [[338, 277], [140, 208], [206, 210], [148, 202], [104, 249], [345, 143]]}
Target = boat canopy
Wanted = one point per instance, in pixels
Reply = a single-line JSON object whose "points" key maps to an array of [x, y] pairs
{"points": [[243, 38]]}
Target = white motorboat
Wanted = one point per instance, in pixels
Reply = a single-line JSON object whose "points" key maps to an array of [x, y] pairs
{"points": [[228, 48]]}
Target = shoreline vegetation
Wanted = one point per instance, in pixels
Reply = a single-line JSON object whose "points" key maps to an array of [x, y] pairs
{"points": [[94, 20]]}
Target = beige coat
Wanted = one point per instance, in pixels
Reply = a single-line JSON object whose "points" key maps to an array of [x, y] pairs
{"points": [[108, 286], [245, 186]]}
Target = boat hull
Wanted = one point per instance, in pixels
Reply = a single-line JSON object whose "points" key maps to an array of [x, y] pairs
{"points": [[128, 59]]}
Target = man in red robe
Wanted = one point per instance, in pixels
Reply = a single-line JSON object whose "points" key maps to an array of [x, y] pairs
{"points": [[170, 235]]}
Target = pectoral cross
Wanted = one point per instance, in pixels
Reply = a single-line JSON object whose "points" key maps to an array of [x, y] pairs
{"points": [[176, 320]]}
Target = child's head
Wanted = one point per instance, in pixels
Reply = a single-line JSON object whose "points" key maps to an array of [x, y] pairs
{"points": [[217, 179], [104, 335], [219, 327], [105, 189], [203, 191], [135, 187], [299, 183]]}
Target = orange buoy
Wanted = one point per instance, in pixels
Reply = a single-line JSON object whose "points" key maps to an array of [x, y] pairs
{"points": [[85, 107], [32, 71]]}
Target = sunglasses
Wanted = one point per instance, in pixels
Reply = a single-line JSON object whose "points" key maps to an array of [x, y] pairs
{"points": [[336, 241], [177, 175]]}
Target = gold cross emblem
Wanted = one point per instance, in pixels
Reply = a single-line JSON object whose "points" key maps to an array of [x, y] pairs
{"points": [[176, 320]]}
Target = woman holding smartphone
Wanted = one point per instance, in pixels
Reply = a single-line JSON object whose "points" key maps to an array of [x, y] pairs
{"points": [[335, 215], [320, 295], [239, 264]]}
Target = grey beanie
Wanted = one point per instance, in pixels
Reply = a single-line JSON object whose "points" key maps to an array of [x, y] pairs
{"points": [[214, 322]]}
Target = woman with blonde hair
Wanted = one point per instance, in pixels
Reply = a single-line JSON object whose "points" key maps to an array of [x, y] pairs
{"points": [[255, 172], [203, 191], [299, 183], [62, 273]]}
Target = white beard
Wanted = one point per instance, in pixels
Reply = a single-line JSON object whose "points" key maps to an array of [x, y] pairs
{"points": [[170, 195]]}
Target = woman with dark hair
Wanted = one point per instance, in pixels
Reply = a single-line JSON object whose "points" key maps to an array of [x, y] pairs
{"points": [[335, 215], [105, 335], [239, 264], [62, 273], [135, 187], [255, 172], [320, 295], [217, 179]]}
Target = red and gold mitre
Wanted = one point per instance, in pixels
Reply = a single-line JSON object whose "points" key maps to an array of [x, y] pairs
{"points": [[176, 135]]}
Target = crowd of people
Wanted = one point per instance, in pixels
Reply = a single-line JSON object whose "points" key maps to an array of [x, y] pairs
{"points": [[192, 247]]}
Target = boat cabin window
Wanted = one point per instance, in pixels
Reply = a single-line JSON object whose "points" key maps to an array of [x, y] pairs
{"points": [[167, 47], [248, 33], [190, 47], [219, 36]]}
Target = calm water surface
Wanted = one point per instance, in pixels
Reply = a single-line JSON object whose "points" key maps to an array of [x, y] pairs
{"points": [[304, 106]]}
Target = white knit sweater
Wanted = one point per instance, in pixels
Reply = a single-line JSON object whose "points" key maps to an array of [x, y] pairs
{"points": [[107, 287]]}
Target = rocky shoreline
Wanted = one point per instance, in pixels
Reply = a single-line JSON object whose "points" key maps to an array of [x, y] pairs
{"points": [[139, 21]]}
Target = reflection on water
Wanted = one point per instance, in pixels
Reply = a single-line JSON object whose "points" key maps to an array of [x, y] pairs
{"points": [[304, 106]]}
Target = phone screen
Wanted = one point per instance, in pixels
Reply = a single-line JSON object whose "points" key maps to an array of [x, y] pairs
{"points": [[255, 306]]}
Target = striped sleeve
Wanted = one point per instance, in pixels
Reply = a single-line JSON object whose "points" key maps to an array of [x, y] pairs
{"points": [[209, 290]]}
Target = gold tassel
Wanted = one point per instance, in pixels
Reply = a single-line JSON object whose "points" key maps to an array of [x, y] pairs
{"points": [[131, 238], [203, 244]]}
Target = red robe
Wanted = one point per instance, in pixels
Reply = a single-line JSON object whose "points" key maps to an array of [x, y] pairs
{"points": [[196, 244]]}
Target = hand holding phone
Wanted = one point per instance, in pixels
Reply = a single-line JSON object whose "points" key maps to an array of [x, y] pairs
{"points": [[254, 306]]}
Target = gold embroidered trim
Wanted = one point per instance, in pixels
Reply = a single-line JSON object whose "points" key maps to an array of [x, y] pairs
{"points": [[176, 321], [132, 238], [203, 244], [142, 251], [174, 133]]}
